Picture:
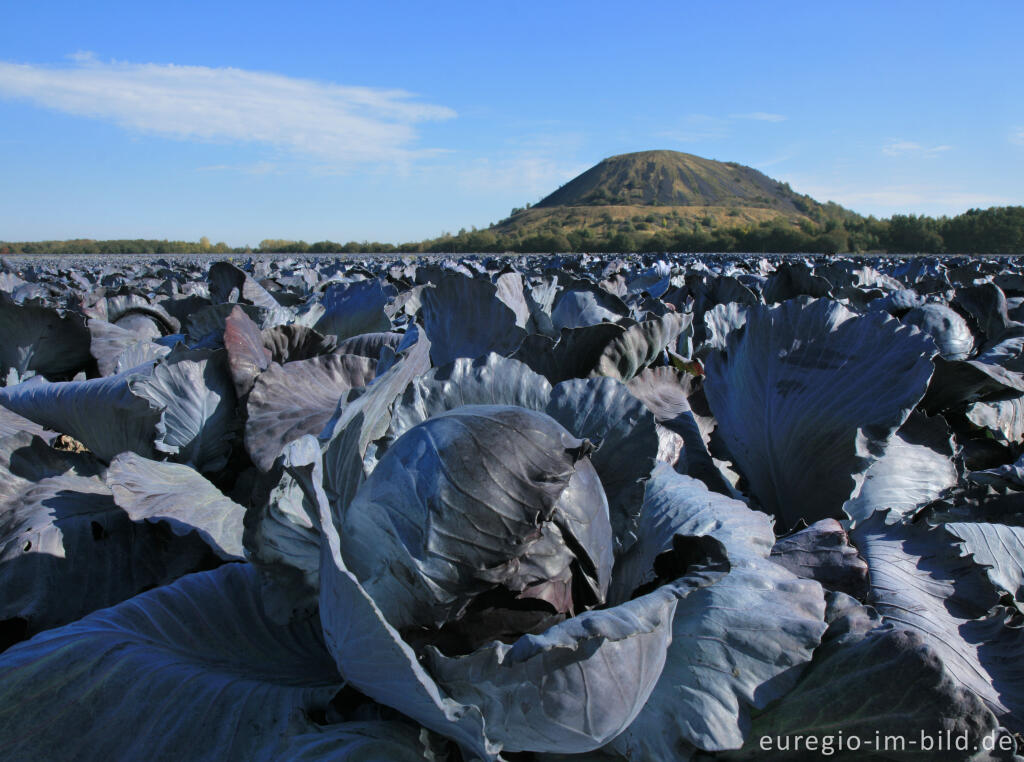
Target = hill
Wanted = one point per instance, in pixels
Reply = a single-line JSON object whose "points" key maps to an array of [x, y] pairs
{"points": [[671, 178], [650, 190]]}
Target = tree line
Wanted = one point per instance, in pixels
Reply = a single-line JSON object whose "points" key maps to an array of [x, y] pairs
{"points": [[997, 230]]}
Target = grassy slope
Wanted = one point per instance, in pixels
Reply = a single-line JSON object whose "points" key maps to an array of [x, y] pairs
{"points": [[607, 219]]}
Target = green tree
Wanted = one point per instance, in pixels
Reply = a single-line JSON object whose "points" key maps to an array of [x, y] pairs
{"points": [[623, 242], [546, 243], [909, 233], [998, 230]]}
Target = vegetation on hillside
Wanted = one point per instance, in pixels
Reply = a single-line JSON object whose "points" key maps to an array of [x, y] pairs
{"points": [[997, 230]]}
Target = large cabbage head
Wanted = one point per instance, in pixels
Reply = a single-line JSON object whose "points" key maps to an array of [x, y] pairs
{"points": [[485, 522]]}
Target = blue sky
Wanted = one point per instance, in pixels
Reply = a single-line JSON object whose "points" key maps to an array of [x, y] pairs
{"points": [[400, 121]]}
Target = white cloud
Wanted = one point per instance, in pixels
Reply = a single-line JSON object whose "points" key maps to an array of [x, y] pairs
{"points": [[761, 116], [326, 121], [530, 176], [771, 162], [902, 199], [257, 168], [1017, 136], [910, 148], [697, 128]]}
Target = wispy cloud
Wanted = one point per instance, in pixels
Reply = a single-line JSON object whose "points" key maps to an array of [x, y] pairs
{"points": [[326, 121], [773, 161], [532, 176], [1017, 136], [761, 116], [902, 199], [257, 168], [910, 148], [696, 128]]}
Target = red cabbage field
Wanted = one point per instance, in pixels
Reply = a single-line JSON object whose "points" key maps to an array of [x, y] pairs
{"points": [[632, 507]]}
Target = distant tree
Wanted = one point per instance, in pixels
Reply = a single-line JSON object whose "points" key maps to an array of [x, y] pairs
{"points": [[545, 243], [580, 240], [723, 240], [997, 230], [832, 242], [657, 243], [482, 240], [909, 233], [623, 242], [324, 247]]}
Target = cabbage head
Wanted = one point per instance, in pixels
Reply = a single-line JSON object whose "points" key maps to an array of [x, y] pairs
{"points": [[472, 552]]}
